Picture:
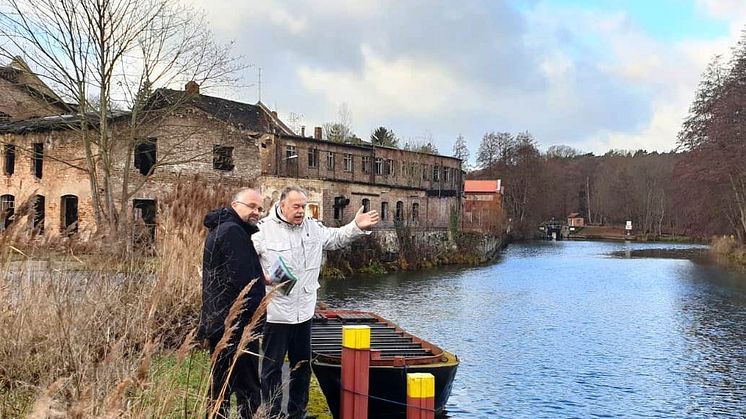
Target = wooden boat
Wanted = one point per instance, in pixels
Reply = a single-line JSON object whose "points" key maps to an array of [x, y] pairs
{"points": [[394, 353]]}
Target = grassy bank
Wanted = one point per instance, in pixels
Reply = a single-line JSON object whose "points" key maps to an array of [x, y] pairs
{"points": [[727, 249]]}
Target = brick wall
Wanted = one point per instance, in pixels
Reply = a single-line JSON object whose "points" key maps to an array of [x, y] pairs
{"points": [[58, 177], [396, 167], [19, 104], [184, 145], [433, 212]]}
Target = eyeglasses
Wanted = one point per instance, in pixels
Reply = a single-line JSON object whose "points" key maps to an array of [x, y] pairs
{"points": [[251, 206]]}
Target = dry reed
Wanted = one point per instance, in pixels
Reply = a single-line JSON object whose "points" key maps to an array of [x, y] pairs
{"points": [[80, 334]]}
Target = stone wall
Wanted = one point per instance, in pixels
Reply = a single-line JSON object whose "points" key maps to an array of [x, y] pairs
{"points": [[388, 250]]}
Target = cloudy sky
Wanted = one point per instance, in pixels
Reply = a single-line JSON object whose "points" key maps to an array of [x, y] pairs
{"points": [[594, 74]]}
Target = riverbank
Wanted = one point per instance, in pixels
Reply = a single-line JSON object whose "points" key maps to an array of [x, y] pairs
{"points": [[407, 250], [727, 250], [612, 233]]}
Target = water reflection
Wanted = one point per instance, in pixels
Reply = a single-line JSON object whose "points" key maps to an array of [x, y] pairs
{"points": [[563, 330]]}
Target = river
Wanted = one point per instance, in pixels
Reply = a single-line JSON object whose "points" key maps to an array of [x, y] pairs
{"points": [[576, 329]]}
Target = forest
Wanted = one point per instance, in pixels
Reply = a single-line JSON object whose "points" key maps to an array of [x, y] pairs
{"points": [[696, 190]]}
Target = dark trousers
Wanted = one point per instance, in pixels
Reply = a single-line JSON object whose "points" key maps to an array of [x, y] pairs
{"points": [[295, 340], [243, 380]]}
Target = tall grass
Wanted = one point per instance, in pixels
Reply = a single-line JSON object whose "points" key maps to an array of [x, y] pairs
{"points": [[81, 335], [728, 249]]}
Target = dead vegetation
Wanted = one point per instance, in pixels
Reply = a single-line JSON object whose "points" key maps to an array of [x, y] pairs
{"points": [[91, 333]]}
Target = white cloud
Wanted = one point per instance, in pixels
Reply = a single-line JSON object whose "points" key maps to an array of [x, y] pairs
{"points": [[388, 87], [591, 79], [230, 16]]}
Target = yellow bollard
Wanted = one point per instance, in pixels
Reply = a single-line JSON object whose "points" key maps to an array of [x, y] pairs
{"points": [[420, 396], [355, 366]]}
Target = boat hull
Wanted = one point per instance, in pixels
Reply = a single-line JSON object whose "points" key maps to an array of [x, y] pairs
{"points": [[394, 354], [387, 387]]}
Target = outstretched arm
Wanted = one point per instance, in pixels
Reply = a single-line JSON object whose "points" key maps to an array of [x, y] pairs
{"points": [[334, 238]]}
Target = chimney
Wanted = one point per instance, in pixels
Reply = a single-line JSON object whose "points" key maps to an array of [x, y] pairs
{"points": [[302, 130], [274, 114], [192, 88], [317, 133]]}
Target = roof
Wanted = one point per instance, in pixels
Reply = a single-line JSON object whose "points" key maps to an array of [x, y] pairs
{"points": [[243, 115], [366, 145], [52, 123], [574, 215], [18, 73], [488, 186]]}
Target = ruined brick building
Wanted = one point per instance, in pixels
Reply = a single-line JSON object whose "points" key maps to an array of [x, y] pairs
{"points": [[224, 141]]}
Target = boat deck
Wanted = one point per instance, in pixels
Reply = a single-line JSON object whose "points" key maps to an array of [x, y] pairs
{"points": [[388, 342]]}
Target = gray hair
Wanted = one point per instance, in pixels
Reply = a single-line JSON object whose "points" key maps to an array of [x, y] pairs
{"points": [[292, 188], [237, 196]]}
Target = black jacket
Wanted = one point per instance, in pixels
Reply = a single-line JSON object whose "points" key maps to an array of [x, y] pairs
{"points": [[229, 264]]}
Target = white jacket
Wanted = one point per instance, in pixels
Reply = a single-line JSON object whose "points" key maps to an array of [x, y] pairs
{"points": [[301, 246]]}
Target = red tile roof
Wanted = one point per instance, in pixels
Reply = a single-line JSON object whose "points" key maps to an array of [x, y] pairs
{"points": [[480, 186]]}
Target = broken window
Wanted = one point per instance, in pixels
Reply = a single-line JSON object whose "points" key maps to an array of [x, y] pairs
{"points": [[144, 225], [415, 211], [389, 167], [329, 160], [222, 158], [379, 166], [313, 157], [366, 164], [10, 159], [399, 214], [7, 209], [69, 214], [37, 159], [348, 162], [145, 155], [366, 204], [384, 211], [340, 202], [436, 173], [37, 217], [290, 152]]}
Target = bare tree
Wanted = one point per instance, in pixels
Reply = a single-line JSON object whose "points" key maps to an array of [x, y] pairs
{"points": [[562, 152], [340, 131], [119, 52], [423, 143], [461, 150]]}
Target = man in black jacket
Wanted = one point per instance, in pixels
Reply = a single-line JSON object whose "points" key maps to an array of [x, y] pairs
{"points": [[230, 263]]}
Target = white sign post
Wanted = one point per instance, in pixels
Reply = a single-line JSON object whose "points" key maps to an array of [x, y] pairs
{"points": [[628, 228]]}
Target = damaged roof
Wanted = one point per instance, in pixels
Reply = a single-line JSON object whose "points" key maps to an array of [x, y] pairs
{"points": [[18, 73], [52, 123], [245, 116]]}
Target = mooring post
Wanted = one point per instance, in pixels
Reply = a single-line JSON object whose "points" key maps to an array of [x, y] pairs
{"points": [[355, 365], [420, 396]]}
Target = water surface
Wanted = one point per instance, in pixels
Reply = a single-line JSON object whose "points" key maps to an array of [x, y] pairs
{"points": [[576, 329]]}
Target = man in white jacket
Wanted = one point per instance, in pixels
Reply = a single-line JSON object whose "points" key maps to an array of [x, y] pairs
{"points": [[300, 240]]}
